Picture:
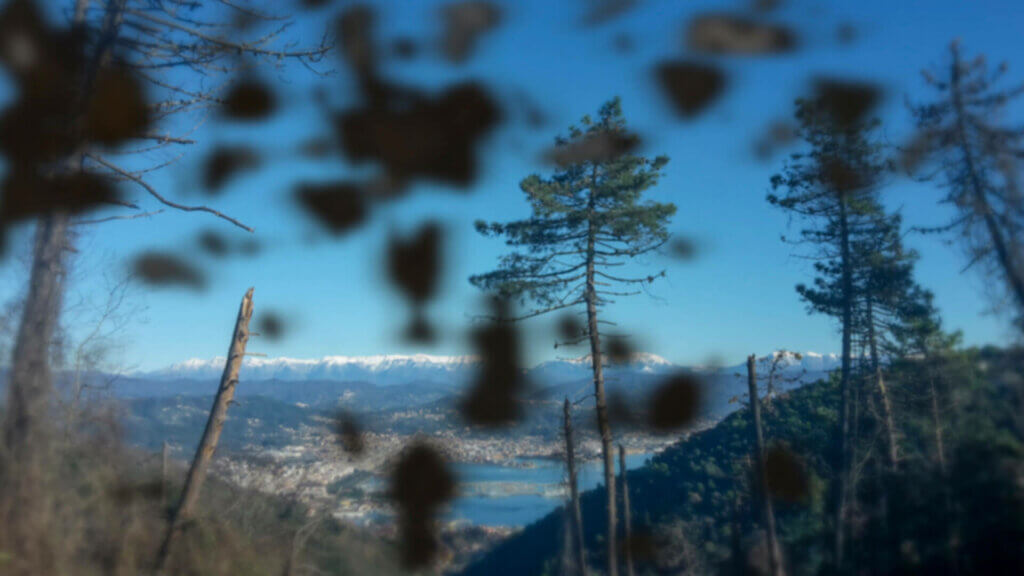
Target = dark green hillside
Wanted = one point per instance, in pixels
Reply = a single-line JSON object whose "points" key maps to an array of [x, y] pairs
{"points": [[698, 477], [687, 500]]}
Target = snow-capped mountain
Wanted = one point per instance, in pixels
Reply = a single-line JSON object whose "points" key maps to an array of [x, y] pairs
{"points": [[382, 370], [391, 370]]}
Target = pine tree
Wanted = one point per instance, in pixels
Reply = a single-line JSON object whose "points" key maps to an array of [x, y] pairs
{"points": [[589, 218], [960, 133], [832, 188]]}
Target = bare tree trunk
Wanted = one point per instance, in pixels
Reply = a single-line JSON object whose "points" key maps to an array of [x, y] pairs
{"points": [[164, 453], [575, 514], [626, 514], [843, 478], [767, 514], [892, 454], [940, 447], [29, 390], [211, 435], [952, 532], [603, 426], [26, 428]]}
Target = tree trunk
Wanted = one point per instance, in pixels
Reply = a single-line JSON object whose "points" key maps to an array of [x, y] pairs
{"points": [[26, 427], [29, 390], [626, 514], [940, 447], [767, 514], [892, 454], [211, 435], [575, 514], [842, 481], [164, 454], [603, 426], [952, 531]]}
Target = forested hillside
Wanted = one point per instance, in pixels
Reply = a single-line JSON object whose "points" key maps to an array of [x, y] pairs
{"points": [[692, 503]]}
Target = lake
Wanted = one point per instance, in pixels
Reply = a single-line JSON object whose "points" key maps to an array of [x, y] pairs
{"points": [[496, 495]]}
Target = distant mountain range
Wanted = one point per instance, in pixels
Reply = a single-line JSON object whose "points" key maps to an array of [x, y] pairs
{"points": [[396, 370], [279, 395]]}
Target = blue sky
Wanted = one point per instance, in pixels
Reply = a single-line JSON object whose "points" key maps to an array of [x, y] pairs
{"points": [[737, 297]]}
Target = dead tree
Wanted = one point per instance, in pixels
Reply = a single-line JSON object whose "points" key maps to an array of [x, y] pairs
{"points": [[164, 454], [575, 514], [767, 514], [211, 435], [626, 515]]}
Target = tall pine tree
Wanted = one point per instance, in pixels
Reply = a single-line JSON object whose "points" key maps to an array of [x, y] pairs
{"points": [[589, 218], [832, 189]]}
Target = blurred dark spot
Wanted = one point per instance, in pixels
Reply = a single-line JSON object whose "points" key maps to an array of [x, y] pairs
{"points": [[847, 102], [404, 48], [621, 411], [248, 100], [213, 243], [354, 33], [623, 43], [271, 325], [531, 112], [414, 267], [840, 176], [117, 110], [601, 11], [682, 248], [415, 136], [570, 329], [225, 162], [765, 5], [464, 23], [728, 34], [42, 128], [36, 131], [785, 475], [641, 545], [420, 484], [162, 269], [127, 493], [846, 33], [674, 404], [690, 87], [28, 195], [317, 148], [338, 206], [618, 349], [315, 3], [249, 247], [419, 328], [494, 399], [598, 148], [349, 433], [778, 134], [915, 153]]}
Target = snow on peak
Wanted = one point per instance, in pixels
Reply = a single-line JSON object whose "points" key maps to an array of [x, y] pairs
{"points": [[387, 369], [326, 368]]}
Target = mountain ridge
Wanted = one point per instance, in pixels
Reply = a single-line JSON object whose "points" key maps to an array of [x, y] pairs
{"points": [[391, 369]]}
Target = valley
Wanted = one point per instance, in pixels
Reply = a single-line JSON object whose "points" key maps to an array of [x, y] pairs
{"points": [[282, 433]]}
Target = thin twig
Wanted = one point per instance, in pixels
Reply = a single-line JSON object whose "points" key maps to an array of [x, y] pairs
{"points": [[161, 199]]}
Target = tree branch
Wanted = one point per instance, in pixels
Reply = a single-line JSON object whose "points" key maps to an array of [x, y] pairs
{"points": [[163, 200]]}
